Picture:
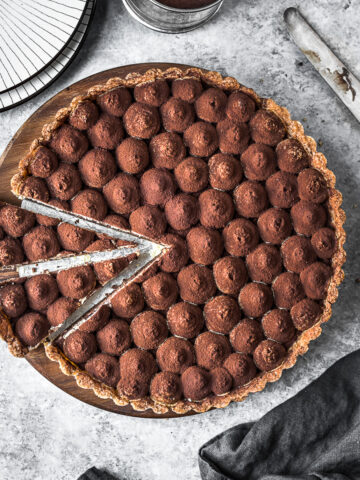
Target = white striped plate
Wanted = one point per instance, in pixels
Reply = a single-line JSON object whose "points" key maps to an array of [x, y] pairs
{"points": [[32, 86], [32, 34]]}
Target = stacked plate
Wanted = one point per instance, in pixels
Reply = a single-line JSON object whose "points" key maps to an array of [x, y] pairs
{"points": [[38, 40]]}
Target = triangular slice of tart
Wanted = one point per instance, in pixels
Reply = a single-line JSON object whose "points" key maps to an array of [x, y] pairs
{"points": [[41, 285]]}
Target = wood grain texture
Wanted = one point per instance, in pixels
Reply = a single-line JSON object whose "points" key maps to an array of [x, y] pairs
{"points": [[17, 149]]}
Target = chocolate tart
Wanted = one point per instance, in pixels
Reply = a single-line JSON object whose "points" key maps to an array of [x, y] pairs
{"points": [[271, 244]]}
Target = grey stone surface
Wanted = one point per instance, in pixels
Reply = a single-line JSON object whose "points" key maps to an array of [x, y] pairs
{"points": [[46, 434]]}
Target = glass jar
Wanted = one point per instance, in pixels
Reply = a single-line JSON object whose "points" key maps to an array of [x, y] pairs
{"points": [[169, 19]]}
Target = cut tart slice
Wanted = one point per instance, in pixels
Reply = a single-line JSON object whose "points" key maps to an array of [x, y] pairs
{"points": [[46, 305], [203, 164]]}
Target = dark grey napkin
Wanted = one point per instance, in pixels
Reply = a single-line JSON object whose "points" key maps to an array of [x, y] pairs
{"points": [[96, 474], [313, 436]]}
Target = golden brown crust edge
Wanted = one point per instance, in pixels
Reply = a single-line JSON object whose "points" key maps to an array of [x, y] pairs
{"points": [[337, 215]]}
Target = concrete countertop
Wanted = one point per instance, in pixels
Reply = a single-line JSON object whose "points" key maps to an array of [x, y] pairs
{"points": [[46, 434]]}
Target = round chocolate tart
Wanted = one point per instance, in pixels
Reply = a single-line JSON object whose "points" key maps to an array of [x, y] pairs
{"points": [[244, 202]]}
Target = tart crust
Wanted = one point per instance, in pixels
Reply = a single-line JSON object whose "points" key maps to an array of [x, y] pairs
{"points": [[337, 218]]}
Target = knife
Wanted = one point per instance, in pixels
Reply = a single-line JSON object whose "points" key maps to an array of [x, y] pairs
{"points": [[342, 81]]}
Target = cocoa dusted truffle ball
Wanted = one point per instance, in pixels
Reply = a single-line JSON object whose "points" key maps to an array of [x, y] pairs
{"points": [[175, 355], [115, 337], [308, 217], [324, 243], [305, 314], [148, 220], [216, 208], [153, 93], [10, 252], [97, 320], [205, 245], [182, 211], [185, 320], [43, 163], [107, 132], [211, 350], [312, 186], [201, 139], [291, 156], [177, 257], [196, 284], [274, 225], [287, 290], [230, 275], [74, 239], [133, 388], [105, 368], [89, 203], [132, 155], [115, 102], [16, 221], [297, 253], [69, 143], [149, 330], [142, 121], [221, 381], [49, 221], [34, 187], [240, 107], [264, 263], [40, 243], [225, 172], [282, 189], [157, 186], [196, 383], [192, 175], [241, 367], [240, 237], [267, 128], [222, 313], [97, 167], [76, 282], [84, 116], [65, 182], [122, 193], [115, 221], [128, 302], [246, 336], [31, 328], [259, 162], [167, 150], [250, 199], [160, 291], [233, 137], [211, 104], [60, 310], [268, 355], [79, 346], [255, 299], [41, 291], [139, 365], [188, 89], [278, 326], [315, 280], [13, 300], [177, 115], [107, 270], [166, 388]]}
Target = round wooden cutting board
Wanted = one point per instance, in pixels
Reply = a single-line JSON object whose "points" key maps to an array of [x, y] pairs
{"points": [[17, 149]]}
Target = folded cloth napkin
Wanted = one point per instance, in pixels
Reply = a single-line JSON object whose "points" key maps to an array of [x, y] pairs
{"points": [[313, 436], [96, 474]]}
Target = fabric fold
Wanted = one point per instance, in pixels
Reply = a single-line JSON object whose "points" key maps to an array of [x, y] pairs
{"points": [[312, 436]]}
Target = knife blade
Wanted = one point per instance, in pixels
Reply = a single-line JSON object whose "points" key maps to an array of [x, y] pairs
{"points": [[342, 81]]}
